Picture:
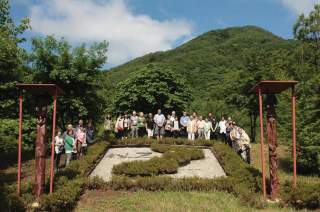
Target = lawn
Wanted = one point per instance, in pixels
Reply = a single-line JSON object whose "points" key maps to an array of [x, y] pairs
{"points": [[285, 169], [161, 201], [186, 201]]}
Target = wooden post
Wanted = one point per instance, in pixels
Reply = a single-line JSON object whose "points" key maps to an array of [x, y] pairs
{"points": [[293, 104], [262, 146], [19, 144], [272, 144], [52, 141], [40, 150]]}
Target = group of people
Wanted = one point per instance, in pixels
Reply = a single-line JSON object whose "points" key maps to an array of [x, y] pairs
{"points": [[73, 142], [191, 127]]}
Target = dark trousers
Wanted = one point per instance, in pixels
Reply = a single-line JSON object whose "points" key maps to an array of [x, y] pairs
{"points": [[223, 137], [126, 132], [175, 133], [141, 131], [183, 132], [168, 133], [57, 161]]}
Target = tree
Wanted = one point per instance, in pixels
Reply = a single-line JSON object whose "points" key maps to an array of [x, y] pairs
{"points": [[12, 60], [150, 88], [75, 70], [307, 30]]}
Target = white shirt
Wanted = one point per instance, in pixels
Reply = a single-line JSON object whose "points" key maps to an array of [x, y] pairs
{"points": [[176, 125], [222, 126], [58, 143], [159, 119]]}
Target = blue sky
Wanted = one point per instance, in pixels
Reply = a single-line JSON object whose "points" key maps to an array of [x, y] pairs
{"points": [[136, 27]]}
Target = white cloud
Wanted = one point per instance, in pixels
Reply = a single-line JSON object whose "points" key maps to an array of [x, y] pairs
{"points": [[300, 6], [128, 34]]}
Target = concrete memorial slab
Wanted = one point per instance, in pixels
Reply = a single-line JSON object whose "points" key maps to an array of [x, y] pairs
{"points": [[208, 167]]}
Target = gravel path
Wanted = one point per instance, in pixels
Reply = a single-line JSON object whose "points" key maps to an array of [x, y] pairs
{"points": [[208, 167]]}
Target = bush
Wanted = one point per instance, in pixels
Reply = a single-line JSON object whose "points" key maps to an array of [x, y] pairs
{"points": [[68, 185], [9, 136], [303, 196], [168, 163], [309, 160]]}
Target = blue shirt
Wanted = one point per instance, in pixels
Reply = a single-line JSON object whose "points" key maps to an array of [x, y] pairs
{"points": [[184, 120]]}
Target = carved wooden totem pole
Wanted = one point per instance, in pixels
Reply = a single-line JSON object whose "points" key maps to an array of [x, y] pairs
{"points": [[271, 103], [40, 148]]}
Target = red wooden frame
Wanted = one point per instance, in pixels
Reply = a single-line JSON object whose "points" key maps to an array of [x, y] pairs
{"points": [[49, 89], [276, 87]]}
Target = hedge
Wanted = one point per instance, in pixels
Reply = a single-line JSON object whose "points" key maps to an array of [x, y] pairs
{"points": [[168, 163], [243, 181], [69, 183]]}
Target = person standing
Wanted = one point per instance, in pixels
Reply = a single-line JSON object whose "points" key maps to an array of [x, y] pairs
{"points": [[108, 127], [241, 142], [159, 121], [80, 137], [90, 132], [150, 125], [207, 129], [191, 128], [141, 124], [58, 148], [69, 144], [119, 127], [200, 127], [126, 126], [228, 130], [184, 122], [213, 121], [175, 128], [222, 129], [168, 126], [133, 125]]}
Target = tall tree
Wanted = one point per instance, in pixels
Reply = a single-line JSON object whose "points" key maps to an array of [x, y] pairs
{"points": [[307, 30], [75, 70], [151, 88], [12, 59]]}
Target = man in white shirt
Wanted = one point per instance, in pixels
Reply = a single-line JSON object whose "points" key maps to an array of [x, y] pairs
{"points": [[159, 120]]}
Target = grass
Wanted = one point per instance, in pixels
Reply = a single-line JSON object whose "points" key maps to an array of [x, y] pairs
{"points": [[285, 170], [8, 175], [162, 201]]}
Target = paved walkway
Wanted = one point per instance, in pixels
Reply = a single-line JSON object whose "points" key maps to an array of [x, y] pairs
{"points": [[208, 167]]}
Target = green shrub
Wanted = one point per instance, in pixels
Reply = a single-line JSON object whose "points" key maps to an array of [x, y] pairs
{"points": [[309, 160], [303, 196], [168, 163], [68, 185]]}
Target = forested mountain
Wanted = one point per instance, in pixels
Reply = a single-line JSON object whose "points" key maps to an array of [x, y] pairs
{"points": [[218, 66]]}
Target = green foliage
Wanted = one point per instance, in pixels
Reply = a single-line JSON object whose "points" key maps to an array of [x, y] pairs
{"points": [[215, 66], [12, 59], [307, 30], [75, 70], [69, 183], [152, 87], [9, 139], [243, 180], [304, 196], [172, 158], [309, 160]]}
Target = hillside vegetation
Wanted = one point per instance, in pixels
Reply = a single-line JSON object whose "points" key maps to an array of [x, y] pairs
{"points": [[215, 66]]}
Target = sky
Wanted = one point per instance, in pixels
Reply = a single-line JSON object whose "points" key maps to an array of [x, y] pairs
{"points": [[134, 28]]}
